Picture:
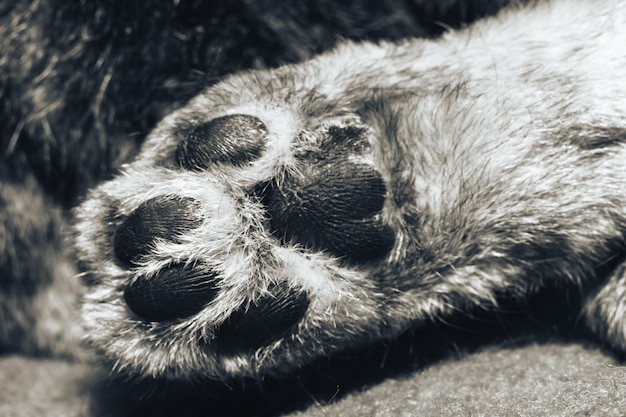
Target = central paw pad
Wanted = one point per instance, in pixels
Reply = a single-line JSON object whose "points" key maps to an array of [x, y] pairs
{"points": [[334, 198]]}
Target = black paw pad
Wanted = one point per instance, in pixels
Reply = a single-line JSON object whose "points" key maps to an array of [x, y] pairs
{"points": [[173, 293], [158, 218], [332, 206], [235, 139], [268, 319]]}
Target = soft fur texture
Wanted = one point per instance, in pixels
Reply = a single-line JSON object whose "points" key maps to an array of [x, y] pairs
{"points": [[514, 185], [324, 215]]}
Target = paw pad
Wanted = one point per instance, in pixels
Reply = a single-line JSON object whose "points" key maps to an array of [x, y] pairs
{"points": [[158, 218], [176, 292], [337, 209], [263, 321], [235, 139], [334, 200]]}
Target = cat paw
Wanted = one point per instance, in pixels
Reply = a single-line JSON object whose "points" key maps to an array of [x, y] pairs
{"points": [[236, 245]]}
